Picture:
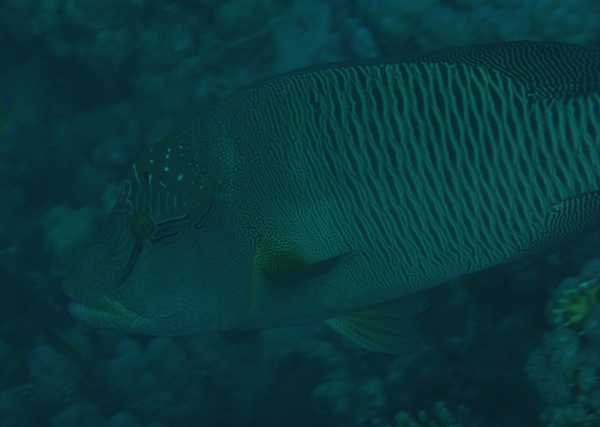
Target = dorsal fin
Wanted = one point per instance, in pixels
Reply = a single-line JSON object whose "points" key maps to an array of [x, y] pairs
{"points": [[548, 70]]}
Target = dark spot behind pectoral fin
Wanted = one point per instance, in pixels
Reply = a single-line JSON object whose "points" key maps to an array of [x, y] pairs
{"points": [[570, 220], [385, 328], [289, 270]]}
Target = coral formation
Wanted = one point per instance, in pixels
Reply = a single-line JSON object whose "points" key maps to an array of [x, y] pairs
{"points": [[577, 304], [580, 414], [565, 368], [439, 416]]}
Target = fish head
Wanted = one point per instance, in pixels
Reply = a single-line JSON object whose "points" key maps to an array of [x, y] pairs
{"points": [[172, 258]]}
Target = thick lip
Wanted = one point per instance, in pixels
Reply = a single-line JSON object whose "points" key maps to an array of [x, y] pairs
{"points": [[100, 311]]}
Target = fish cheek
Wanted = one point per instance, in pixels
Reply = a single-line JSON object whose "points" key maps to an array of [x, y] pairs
{"points": [[196, 281], [188, 273], [103, 264], [141, 228], [136, 251], [152, 282]]}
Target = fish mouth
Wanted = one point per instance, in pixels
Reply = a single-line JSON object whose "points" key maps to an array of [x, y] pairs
{"points": [[101, 311]]}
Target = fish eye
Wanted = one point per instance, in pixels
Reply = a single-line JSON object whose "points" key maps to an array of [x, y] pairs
{"points": [[142, 226]]}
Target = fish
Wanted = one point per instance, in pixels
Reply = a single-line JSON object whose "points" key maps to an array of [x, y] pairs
{"points": [[340, 193]]}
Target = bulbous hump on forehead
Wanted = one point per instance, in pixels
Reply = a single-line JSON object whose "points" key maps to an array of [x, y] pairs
{"points": [[180, 171], [168, 160]]}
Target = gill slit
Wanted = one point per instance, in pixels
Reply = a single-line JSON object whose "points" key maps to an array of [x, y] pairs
{"points": [[198, 224], [138, 246]]}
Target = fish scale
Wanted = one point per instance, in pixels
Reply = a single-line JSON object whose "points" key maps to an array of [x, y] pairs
{"points": [[418, 176], [338, 193]]}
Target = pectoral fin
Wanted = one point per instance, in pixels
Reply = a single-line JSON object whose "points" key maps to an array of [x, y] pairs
{"points": [[289, 270], [386, 328]]}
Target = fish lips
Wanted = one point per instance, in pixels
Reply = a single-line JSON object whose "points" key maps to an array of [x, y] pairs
{"points": [[100, 311]]}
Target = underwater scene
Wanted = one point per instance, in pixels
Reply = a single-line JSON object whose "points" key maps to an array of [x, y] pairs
{"points": [[405, 242]]}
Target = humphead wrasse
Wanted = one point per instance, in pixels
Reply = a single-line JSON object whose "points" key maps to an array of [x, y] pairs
{"points": [[338, 193]]}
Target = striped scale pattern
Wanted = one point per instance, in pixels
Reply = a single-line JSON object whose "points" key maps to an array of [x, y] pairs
{"points": [[433, 169]]}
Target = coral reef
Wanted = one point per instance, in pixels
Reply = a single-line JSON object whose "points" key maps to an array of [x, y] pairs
{"points": [[565, 368], [578, 304], [438, 416]]}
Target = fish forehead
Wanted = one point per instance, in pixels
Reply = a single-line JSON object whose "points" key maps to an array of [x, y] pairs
{"points": [[183, 173], [162, 182]]}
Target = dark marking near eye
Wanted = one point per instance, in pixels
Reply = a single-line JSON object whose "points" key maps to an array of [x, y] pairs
{"points": [[198, 225], [133, 257], [166, 232], [169, 221]]}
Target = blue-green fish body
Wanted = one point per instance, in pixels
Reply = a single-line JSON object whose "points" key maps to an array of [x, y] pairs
{"points": [[338, 193]]}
